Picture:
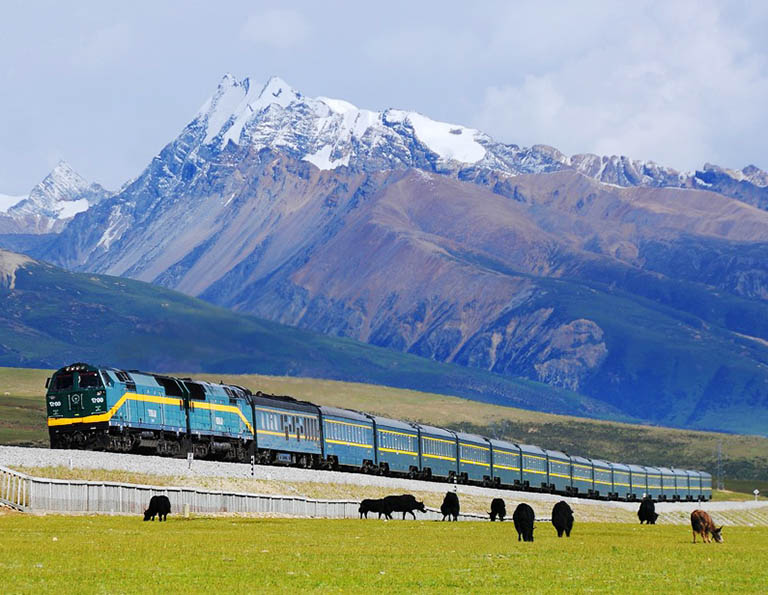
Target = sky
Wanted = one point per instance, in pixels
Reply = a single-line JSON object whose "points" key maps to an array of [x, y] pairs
{"points": [[106, 85]]}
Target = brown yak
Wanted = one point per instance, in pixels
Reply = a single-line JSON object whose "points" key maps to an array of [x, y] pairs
{"points": [[702, 524]]}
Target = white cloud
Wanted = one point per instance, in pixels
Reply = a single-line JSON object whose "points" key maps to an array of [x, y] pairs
{"points": [[276, 28], [674, 82]]}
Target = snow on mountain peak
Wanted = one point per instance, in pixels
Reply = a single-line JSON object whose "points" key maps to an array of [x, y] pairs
{"points": [[324, 131], [61, 195]]}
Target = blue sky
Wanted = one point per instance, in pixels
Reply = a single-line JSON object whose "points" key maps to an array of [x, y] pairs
{"points": [[105, 85]]}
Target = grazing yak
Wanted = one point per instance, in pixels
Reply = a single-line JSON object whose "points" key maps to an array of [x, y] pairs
{"points": [[498, 509], [405, 503], [647, 511], [562, 518], [450, 506], [379, 506], [159, 506], [702, 524], [524, 517]]}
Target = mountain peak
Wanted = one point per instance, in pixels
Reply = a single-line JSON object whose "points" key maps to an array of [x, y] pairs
{"points": [[60, 195], [276, 90]]}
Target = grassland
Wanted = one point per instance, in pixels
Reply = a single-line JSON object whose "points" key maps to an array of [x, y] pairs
{"points": [[243, 555], [745, 455]]}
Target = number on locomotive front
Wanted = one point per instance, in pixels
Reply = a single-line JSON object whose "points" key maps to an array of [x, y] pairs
{"points": [[76, 391]]}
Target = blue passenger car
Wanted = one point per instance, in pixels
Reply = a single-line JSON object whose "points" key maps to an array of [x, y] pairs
{"points": [[287, 430], [347, 439], [559, 471], [682, 489], [653, 476], [667, 484], [706, 486], [534, 461], [638, 481], [581, 476], [438, 452], [397, 446], [621, 486], [506, 463], [474, 458], [694, 484], [603, 478]]}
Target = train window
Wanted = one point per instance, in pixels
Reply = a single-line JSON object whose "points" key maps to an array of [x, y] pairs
{"points": [[106, 379], [63, 382], [89, 380], [196, 391], [171, 387]]}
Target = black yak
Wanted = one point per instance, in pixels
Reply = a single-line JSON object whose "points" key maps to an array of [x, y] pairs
{"points": [[498, 509], [405, 503], [450, 506], [159, 506], [562, 518], [524, 517], [647, 511], [379, 506]]}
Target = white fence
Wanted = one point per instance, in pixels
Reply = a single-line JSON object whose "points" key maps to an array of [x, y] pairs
{"points": [[36, 494]]}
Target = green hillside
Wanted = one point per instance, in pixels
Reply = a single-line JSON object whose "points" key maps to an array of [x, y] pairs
{"points": [[22, 420], [52, 317]]}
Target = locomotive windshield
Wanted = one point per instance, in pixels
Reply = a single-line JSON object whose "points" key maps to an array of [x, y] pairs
{"points": [[63, 382], [89, 380]]}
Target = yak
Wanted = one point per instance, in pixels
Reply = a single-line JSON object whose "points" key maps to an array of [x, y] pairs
{"points": [[450, 506], [562, 518], [647, 511], [524, 517], [498, 509], [406, 503], [702, 524], [379, 506], [159, 506]]}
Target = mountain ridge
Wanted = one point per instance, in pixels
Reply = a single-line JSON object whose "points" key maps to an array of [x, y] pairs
{"points": [[517, 263]]}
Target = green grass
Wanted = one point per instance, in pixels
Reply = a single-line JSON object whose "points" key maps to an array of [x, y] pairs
{"points": [[745, 456], [244, 555]]}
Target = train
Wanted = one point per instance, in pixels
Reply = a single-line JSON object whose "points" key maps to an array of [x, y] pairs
{"points": [[102, 408]]}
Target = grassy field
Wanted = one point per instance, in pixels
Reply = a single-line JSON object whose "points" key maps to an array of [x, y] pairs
{"points": [[22, 421], [241, 555]]}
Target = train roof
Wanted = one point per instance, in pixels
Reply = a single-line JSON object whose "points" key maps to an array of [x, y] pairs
{"points": [[471, 438], [282, 402], [581, 460], [621, 466], [503, 444], [636, 468], [557, 453], [435, 430], [345, 413], [666, 471], [392, 423], [600, 463], [530, 448]]}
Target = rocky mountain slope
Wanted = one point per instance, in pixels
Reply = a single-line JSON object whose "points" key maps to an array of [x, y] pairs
{"points": [[51, 317], [51, 204], [636, 284]]}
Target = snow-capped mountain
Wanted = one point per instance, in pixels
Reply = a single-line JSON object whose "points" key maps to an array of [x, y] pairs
{"points": [[51, 204], [331, 133]]}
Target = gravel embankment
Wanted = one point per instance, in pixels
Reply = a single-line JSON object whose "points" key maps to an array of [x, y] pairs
{"points": [[742, 513]]}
